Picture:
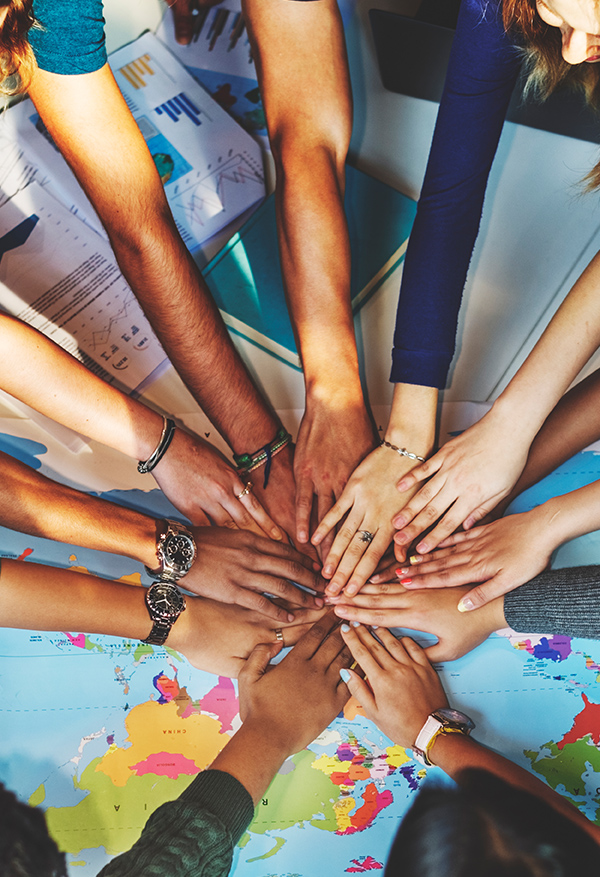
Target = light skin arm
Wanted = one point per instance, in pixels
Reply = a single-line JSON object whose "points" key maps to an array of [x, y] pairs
{"points": [[473, 472], [90, 123], [403, 689], [192, 474], [236, 567], [301, 61], [370, 499], [213, 636]]}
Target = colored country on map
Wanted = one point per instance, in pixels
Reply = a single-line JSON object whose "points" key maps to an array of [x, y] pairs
{"points": [[153, 727], [361, 865], [166, 764], [109, 816], [554, 648], [585, 722], [221, 701], [373, 803], [567, 767]]}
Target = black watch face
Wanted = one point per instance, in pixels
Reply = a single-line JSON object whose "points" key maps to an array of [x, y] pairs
{"points": [[179, 551], [165, 600]]}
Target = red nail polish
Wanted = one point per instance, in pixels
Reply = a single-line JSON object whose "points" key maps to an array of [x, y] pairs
{"points": [[406, 581]]}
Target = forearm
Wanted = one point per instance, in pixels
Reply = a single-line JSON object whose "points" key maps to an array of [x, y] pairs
{"points": [[89, 122], [566, 345], [37, 597], [413, 418], [72, 395], [255, 774], [33, 504], [558, 601]]}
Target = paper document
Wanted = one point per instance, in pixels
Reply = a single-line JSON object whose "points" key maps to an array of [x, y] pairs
{"points": [[210, 167], [219, 58], [61, 278]]}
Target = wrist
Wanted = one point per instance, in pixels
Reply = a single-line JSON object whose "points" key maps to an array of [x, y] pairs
{"points": [[340, 391], [413, 419]]}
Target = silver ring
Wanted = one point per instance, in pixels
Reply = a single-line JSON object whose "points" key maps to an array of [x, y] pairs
{"points": [[365, 536], [278, 635], [247, 489]]}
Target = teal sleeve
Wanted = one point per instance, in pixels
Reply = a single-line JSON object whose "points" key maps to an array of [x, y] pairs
{"points": [[193, 836], [70, 36]]}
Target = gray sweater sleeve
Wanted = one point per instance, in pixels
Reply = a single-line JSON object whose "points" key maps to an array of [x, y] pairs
{"points": [[560, 601], [193, 836]]}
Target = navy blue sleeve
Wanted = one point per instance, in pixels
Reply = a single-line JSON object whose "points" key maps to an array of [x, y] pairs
{"points": [[71, 37], [481, 75]]}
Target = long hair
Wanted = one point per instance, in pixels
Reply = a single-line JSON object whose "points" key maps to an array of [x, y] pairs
{"points": [[26, 848], [544, 65], [486, 827], [17, 61]]}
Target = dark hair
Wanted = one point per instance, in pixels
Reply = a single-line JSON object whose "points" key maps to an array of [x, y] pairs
{"points": [[486, 828], [26, 848], [17, 61]]}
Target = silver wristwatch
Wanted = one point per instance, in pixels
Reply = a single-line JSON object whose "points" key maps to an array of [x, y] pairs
{"points": [[175, 551], [442, 721], [165, 604]]}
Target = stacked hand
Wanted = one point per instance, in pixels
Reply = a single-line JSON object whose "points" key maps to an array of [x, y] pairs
{"points": [[401, 687], [370, 501]]}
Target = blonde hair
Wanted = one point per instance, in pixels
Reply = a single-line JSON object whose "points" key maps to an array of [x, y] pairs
{"points": [[17, 61], [545, 67]]}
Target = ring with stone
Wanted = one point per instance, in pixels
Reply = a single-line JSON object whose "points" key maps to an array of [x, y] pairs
{"points": [[365, 536]]}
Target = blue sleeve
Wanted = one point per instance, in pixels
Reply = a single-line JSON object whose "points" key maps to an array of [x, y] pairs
{"points": [[481, 75], [71, 37]]}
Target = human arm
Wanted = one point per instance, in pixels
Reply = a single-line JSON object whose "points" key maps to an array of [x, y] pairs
{"points": [[214, 637], [370, 499], [192, 474], [403, 689], [302, 68], [210, 816], [90, 123], [184, 16], [231, 566]]}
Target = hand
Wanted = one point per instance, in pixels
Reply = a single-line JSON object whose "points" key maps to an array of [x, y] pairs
{"points": [[218, 638], [302, 695], [402, 688], [371, 500], [197, 478], [504, 554], [471, 474], [433, 611], [235, 566], [184, 15], [331, 443]]}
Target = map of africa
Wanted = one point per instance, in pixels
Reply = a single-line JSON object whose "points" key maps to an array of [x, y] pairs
{"points": [[99, 731]]}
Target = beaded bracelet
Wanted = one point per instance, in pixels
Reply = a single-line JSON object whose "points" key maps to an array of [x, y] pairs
{"points": [[402, 451], [158, 453], [246, 463]]}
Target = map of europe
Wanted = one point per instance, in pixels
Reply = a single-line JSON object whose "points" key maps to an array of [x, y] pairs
{"points": [[100, 731]]}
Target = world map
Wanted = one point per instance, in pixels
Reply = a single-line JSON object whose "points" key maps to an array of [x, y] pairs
{"points": [[100, 731]]}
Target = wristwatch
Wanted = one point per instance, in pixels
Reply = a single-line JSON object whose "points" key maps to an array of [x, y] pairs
{"points": [[176, 552], [165, 604], [442, 721]]}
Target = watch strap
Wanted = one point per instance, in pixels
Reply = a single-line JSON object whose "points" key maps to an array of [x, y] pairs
{"points": [[161, 628], [435, 725], [164, 529]]}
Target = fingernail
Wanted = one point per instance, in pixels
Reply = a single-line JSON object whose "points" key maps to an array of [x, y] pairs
{"points": [[345, 674], [290, 617], [374, 579], [422, 547], [327, 570], [356, 624], [403, 571], [406, 581], [332, 600], [374, 627], [277, 534], [302, 536], [319, 603], [414, 558], [351, 590], [400, 539], [345, 628], [465, 605]]}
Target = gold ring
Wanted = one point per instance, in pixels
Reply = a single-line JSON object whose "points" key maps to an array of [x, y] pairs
{"points": [[278, 635], [247, 489]]}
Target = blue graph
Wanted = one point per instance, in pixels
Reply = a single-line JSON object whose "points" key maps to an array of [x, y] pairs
{"points": [[179, 106], [18, 235]]}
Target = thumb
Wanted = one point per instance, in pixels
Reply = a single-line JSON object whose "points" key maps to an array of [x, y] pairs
{"points": [[482, 594], [258, 661]]}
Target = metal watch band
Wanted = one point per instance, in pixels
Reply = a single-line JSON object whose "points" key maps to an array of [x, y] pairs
{"points": [[167, 570]]}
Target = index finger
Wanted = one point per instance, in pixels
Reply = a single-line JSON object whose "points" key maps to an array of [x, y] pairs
{"points": [[418, 474], [304, 503]]}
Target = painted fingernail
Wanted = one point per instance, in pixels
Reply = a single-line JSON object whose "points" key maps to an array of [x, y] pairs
{"points": [[374, 627], [414, 558], [345, 628], [356, 624], [345, 674], [402, 571], [406, 581], [465, 605]]}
